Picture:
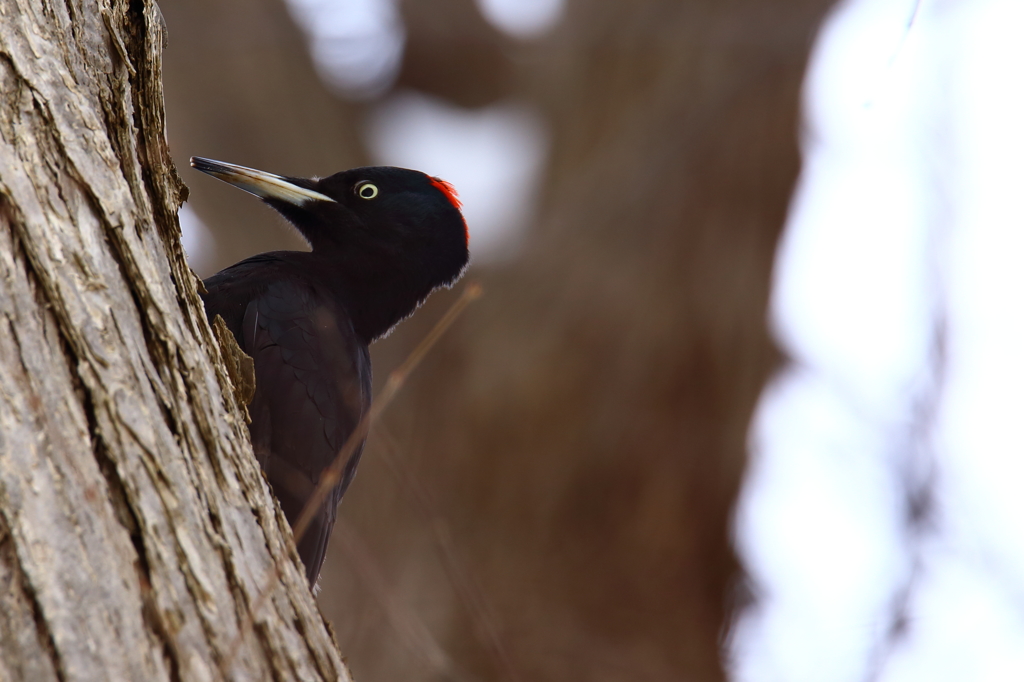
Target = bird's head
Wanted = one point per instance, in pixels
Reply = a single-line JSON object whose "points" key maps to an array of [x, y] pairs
{"points": [[378, 223]]}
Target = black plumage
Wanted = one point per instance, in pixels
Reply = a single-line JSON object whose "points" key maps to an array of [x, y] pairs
{"points": [[382, 239]]}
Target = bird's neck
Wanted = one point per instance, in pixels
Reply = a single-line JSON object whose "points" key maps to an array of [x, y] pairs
{"points": [[376, 311], [376, 300]]}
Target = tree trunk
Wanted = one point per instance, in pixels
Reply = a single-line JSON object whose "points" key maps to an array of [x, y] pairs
{"points": [[136, 530]]}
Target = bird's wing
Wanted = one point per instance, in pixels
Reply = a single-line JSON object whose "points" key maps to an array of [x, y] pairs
{"points": [[312, 388], [230, 290]]}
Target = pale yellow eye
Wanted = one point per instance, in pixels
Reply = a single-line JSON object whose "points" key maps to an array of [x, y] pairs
{"points": [[366, 190]]}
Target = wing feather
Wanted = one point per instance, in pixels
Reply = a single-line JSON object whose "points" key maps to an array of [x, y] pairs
{"points": [[312, 388]]}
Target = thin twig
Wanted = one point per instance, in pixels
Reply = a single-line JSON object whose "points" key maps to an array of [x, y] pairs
{"points": [[467, 589], [405, 621], [332, 475]]}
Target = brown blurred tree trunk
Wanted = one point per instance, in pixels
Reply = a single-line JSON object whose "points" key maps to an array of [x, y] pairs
{"points": [[583, 429], [135, 528]]}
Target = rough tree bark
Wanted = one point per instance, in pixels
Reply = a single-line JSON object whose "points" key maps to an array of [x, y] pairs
{"points": [[135, 528]]}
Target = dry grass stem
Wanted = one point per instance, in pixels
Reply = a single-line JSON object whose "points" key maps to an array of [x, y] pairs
{"points": [[332, 475]]}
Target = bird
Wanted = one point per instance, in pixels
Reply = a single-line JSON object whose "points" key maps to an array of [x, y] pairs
{"points": [[381, 240]]}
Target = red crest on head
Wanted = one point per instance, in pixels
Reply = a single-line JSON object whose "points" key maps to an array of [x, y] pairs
{"points": [[449, 191]]}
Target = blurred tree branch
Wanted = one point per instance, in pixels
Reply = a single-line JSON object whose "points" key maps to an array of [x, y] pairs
{"points": [[135, 527], [241, 87]]}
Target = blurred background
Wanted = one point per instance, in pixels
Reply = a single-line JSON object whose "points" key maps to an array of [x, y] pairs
{"points": [[666, 444]]}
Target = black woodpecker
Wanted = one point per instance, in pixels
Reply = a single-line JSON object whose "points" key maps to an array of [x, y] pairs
{"points": [[382, 240]]}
